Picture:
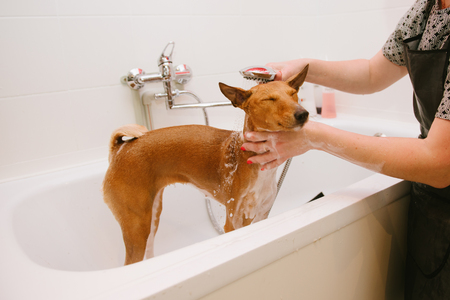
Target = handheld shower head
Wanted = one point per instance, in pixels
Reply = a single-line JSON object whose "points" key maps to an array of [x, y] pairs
{"points": [[261, 74]]}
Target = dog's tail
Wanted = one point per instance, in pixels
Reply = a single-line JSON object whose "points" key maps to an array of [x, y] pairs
{"points": [[124, 134]]}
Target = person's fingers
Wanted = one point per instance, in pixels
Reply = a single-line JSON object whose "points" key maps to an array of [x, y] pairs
{"points": [[263, 143], [272, 164], [257, 147], [263, 159], [279, 76]]}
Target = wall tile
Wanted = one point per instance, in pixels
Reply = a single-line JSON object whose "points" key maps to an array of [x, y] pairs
{"points": [[161, 8], [34, 127], [216, 7], [317, 8], [279, 8], [386, 4], [397, 97], [31, 59], [151, 34], [300, 38], [41, 126], [263, 39], [218, 44], [329, 7], [98, 112], [93, 7], [96, 50], [28, 8], [358, 35], [202, 42]]}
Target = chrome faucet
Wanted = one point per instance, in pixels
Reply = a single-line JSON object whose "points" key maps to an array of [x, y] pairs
{"points": [[166, 73], [137, 78]]}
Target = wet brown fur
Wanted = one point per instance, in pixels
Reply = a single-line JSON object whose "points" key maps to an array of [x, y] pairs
{"points": [[206, 157]]}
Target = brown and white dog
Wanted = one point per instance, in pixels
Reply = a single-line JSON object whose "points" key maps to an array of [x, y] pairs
{"points": [[211, 159]]}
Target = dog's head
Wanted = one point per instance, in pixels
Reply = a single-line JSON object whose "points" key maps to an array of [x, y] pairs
{"points": [[272, 106]]}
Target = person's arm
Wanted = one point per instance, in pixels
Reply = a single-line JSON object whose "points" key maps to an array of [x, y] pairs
{"points": [[360, 76], [426, 161], [421, 160]]}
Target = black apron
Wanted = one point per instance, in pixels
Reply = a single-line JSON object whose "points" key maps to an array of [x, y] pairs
{"points": [[427, 265]]}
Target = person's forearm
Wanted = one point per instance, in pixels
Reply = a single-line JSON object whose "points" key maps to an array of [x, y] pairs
{"points": [[347, 76], [421, 160], [360, 76], [407, 158]]}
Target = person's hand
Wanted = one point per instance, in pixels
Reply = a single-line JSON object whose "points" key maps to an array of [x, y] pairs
{"points": [[287, 69], [274, 148]]}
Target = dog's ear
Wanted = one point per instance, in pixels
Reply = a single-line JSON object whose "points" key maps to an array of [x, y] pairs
{"points": [[237, 96], [296, 81]]}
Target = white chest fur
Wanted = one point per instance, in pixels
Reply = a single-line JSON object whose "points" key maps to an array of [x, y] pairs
{"points": [[256, 201]]}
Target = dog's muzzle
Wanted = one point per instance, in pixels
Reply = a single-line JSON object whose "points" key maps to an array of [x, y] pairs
{"points": [[301, 116]]}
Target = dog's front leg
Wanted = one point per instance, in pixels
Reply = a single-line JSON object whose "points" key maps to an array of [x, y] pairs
{"points": [[239, 212]]}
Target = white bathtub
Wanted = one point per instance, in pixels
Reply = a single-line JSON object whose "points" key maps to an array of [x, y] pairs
{"points": [[60, 241]]}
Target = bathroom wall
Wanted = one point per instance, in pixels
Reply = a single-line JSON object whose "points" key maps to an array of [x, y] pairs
{"points": [[61, 62]]}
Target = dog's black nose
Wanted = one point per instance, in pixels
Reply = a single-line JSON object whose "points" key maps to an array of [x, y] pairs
{"points": [[301, 116]]}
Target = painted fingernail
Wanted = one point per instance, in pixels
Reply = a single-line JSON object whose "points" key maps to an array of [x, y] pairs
{"points": [[249, 162], [242, 148]]}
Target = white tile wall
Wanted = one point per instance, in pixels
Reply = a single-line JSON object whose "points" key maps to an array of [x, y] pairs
{"points": [[21, 8], [61, 62], [31, 56], [96, 50], [30, 124], [93, 7]]}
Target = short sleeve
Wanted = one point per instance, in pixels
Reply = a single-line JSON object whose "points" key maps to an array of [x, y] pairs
{"points": [[410, 25]]}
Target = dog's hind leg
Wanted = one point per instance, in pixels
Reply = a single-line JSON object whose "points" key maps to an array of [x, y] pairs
{"points": [[135, 241], [156, 213], [139, 223]]}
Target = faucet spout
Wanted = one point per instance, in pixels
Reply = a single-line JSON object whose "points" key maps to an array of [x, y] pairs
{"points": [[149, 77]]}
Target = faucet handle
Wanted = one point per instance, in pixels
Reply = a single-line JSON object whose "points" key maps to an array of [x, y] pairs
{"points": [[183, 74], [132, 78], [166, 58]]}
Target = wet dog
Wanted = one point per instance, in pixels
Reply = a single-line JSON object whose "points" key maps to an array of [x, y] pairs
{"points": [[208, 158]]}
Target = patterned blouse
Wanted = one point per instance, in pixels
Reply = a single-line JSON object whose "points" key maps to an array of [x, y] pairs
{"points": [[424, 17]]}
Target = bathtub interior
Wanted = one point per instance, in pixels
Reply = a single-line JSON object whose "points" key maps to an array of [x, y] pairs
{"points": [[64, 224]]}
